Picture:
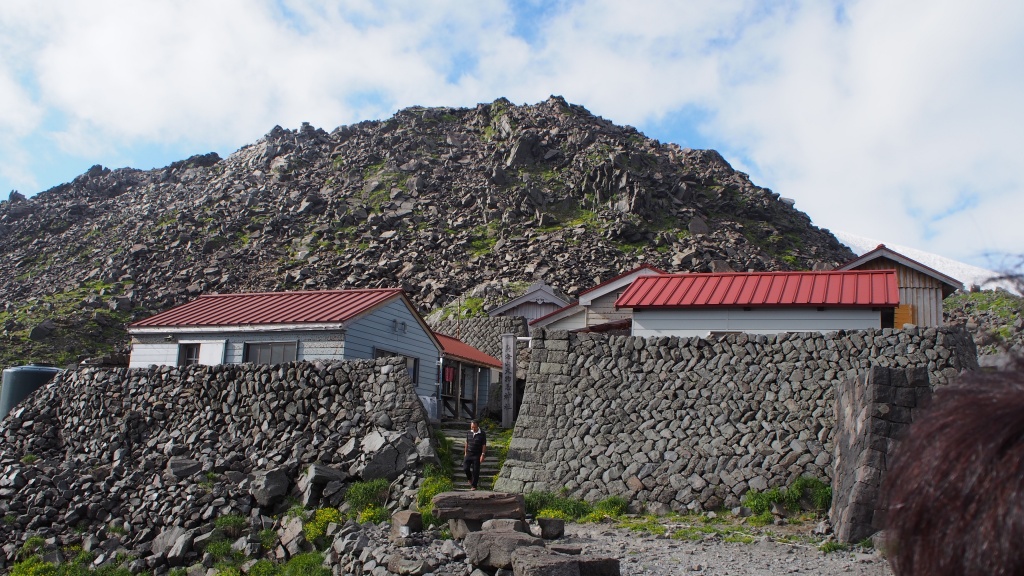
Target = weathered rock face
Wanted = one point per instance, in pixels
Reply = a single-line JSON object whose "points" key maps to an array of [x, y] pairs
{"points": [[168, 450], [692, 423], [438, 201], [996, 320]]}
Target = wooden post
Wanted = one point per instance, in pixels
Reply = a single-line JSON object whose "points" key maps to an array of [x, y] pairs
{"points": [[508, 380]]}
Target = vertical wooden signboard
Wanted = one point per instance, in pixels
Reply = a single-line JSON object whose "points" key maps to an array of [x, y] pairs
{"points": [[508, 379]]}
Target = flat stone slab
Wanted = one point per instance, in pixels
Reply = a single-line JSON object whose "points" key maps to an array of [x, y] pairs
{"points": [[479, 505]]}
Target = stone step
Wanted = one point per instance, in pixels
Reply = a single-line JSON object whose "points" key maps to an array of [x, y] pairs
{"points": [[456, 432]]}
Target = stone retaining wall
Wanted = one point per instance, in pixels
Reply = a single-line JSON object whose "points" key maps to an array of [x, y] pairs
{"points": [[484, 334], [150, 448], [692, 424]]}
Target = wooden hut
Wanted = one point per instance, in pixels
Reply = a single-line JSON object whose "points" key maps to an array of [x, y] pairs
{"points": [[922, 289], [538, 300]]}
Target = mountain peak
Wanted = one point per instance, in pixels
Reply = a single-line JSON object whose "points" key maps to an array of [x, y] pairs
{"points": [[437, 201]]}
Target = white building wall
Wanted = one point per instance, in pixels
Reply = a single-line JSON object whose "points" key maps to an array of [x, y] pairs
{"points": [[229, 348], [159, 353], [602, 310], [393, 328], [575, 322], [701, 322]]}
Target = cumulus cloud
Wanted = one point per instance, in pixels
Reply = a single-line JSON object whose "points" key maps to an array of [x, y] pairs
{"points": [[891, 120]]}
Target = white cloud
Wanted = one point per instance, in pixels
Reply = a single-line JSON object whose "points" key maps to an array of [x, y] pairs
{"points": [[892, 120], [888, 121]]}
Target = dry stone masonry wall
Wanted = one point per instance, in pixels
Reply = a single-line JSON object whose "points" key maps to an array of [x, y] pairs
{"points": [[144, 450], [688, 423], [484, 334]]}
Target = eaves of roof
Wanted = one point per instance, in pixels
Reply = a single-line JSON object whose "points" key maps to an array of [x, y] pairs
{"points": [[858, 288]]}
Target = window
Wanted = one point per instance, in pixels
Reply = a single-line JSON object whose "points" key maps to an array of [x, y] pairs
{"points": [[270, 352], [411, 364], [188, 354]]}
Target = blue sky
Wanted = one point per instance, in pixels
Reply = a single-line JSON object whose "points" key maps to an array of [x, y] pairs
{"points": [[893, 120]]}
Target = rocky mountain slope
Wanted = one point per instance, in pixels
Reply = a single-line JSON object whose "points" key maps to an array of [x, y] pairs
{"points": [[440, 201]]}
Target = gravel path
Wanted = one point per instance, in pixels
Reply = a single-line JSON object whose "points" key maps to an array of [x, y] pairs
{"points": [[660, 555]]}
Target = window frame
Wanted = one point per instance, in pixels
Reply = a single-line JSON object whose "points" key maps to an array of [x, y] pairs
{"points": [[188, 353], [288, 349]]}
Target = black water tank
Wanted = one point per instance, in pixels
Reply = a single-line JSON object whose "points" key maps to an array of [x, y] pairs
{"points": [[21, 381]]}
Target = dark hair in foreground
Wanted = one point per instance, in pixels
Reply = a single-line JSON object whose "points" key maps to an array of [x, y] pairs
{"points": [[955, 489]]}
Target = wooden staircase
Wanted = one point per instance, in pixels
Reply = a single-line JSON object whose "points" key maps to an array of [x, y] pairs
{"points": [[456, 430]]}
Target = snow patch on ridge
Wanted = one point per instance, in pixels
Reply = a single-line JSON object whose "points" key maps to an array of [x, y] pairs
{"points": [[966, 273]]}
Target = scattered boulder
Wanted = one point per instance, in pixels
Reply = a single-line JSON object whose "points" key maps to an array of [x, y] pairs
{"points": [[181, 468], [269, 487], [493, 548], [43, 330]]}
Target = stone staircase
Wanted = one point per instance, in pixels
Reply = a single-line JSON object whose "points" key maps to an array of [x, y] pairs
{"points": [[456, 430]]}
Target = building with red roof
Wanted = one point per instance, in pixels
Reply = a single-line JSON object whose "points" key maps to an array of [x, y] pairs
{"points": [[466, 375], [761, 303], [279, 327]]}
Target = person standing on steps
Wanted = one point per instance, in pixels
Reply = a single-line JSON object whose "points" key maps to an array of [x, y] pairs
{"points": [[473, 455]]}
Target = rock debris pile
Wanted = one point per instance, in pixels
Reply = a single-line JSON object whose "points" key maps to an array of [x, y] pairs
{"points": [[146, 461]]}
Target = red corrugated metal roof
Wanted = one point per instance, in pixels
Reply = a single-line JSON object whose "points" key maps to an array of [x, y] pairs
{"points": [[306, 307], [459, 350], [868, 288]]}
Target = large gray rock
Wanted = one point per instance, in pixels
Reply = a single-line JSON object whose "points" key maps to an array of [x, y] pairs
{"points": [[460, 527], [479, 505], [43, 330], [493, 548], [398, 564], [405, 523], [314, 479], [180, 549], [269, 487], [385, 463], [165, 539], [551, 528], [183, 467], [539, 561]]}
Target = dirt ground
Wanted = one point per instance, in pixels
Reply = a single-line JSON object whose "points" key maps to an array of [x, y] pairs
{"points": [[723, 547]]}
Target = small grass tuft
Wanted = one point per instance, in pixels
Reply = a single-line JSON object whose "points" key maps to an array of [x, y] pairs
{"points": [[307, 564], [316, 527], [362, 495], [232, 525], [830, 546], [374, 514]]}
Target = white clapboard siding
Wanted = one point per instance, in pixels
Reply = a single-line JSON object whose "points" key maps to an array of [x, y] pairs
{"points": [[393, 328], [602, 310], [701, 322], [159, 353], [575, 322]]}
